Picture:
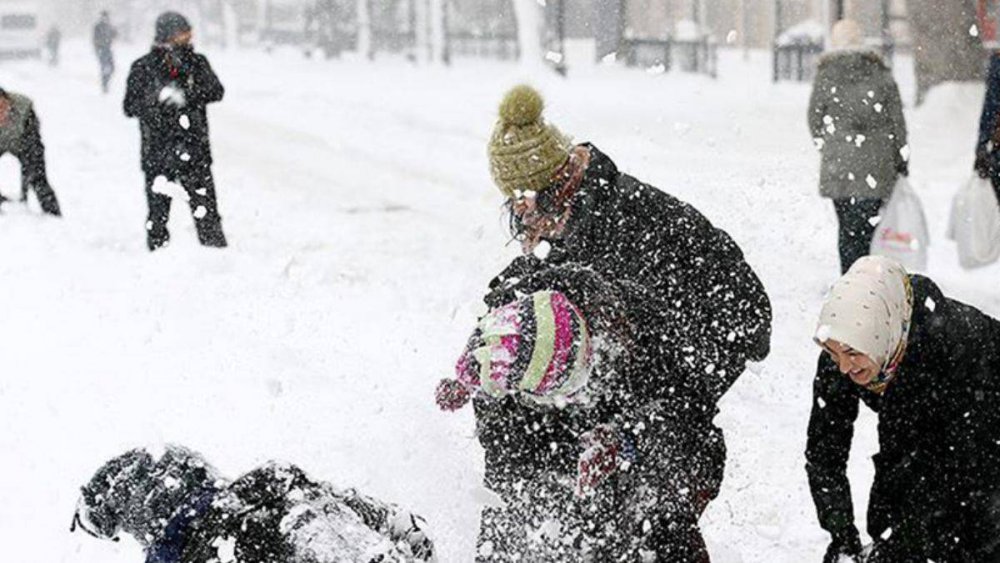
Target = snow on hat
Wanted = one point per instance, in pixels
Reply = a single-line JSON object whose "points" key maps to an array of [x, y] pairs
{"points": [[538, 345], [868, 309], [525, 152], [170, 24], [846, 34]]}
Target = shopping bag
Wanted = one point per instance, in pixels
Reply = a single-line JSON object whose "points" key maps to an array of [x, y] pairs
{"points": [[902, 232], [975, 224]]}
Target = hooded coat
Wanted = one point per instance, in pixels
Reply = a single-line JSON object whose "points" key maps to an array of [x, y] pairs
{"points": [[628, 231], [937, 473], [856, 119], [181, 511], [645, 390], [174, 139]]}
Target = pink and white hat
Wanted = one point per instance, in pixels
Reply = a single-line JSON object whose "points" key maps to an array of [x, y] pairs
{"points": [[538, 346]]}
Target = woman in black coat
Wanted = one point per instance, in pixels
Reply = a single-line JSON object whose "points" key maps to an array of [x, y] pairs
{"points": [[930, 367], [630, 469], [575, 199]]}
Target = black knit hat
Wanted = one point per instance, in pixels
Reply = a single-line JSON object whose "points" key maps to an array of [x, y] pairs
{"points": [[170, 24]]}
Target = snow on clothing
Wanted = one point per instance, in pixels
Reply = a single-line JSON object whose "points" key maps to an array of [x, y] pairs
{"points": [[168, 90], [626, 230], [937, 473], [988, 144], [856, 118], [637, 386], [538, 345], [179, 509], [21, 137]]}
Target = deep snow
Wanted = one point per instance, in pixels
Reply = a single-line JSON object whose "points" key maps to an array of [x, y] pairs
{"points": [[364, 228]]}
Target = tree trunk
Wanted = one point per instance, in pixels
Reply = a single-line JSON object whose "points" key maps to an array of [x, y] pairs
{"points": [[945, 47], [530, 22]]}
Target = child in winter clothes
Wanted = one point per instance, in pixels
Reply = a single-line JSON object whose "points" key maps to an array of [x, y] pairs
{"points": [[598, 438], [181, 511], [930, 367]]}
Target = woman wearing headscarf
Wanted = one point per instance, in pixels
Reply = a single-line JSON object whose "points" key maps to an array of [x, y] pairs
{"points": [[929, 366], [598, 435], [856, 120]]}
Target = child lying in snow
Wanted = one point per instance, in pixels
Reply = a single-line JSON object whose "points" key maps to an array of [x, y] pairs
{"points": [[181, 511]]}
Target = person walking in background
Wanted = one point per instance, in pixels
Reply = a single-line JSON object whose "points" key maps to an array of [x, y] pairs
{"points": [[930, 367], [21, 136], [168, 91], [988, 146], [856, 120], [104, 36], [52, 41]]}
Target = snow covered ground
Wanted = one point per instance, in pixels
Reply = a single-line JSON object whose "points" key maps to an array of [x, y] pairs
{"points": [[364, 227]]}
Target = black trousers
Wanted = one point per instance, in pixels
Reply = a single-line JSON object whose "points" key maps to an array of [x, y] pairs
{"points": [[31, 155], [200, 188], [857, 228]]}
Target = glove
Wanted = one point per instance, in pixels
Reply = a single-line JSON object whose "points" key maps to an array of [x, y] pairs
{"points": [[408, 528], [982, 165], [845, 547], [903, 168], [604, 452], [172, 96], [452, 395]]}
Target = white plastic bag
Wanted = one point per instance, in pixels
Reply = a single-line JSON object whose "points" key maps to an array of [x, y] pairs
{"points": [[975, 224], [902, 232]]}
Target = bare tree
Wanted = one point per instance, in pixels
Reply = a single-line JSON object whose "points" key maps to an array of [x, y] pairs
{"points": [[946, 43]]}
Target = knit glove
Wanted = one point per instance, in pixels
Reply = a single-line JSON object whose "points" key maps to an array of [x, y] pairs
{"points": [[982, 165], [409, 529], [845, 547], [171, 95], [605, 451], [452, 394]]}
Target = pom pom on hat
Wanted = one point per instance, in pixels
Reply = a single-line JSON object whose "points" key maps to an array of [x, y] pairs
{"points": [[521, 106]]}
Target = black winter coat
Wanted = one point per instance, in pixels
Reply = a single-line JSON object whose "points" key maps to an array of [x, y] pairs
{"points": [[174, 139], [937, 473], [627, 230], [666, 413]]}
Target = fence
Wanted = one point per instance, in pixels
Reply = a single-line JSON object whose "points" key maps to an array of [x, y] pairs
{"points": [[697, 56]]}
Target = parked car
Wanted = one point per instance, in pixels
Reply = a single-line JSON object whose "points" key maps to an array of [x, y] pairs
{"points": [[21, 33]]}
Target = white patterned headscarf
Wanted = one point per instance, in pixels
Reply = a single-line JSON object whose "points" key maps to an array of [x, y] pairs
{"points": [[869, 309]]}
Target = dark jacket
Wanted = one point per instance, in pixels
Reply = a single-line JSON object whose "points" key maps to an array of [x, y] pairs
{"points": [[989, 127], [645, 391], [169, 132], [104, 36], [181, 511], [630, 231], [937, 473], [856, 115]]}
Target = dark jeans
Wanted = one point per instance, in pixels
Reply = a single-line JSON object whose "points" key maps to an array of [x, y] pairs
{"points": [[107, 61], [31, 154], [856, 228], [200, 188]]}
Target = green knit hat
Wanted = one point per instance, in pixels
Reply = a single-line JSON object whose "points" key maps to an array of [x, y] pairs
{"points": [[525, 152]]}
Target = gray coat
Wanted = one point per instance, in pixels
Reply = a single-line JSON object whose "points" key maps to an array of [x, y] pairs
{"points": [[856, 119], [12, 134]]}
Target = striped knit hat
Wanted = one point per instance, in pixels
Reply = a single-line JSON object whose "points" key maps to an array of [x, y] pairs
{"points": [[538, 346]]}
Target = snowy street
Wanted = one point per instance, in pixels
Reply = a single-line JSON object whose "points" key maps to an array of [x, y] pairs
{"points": [[364, 228]]}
